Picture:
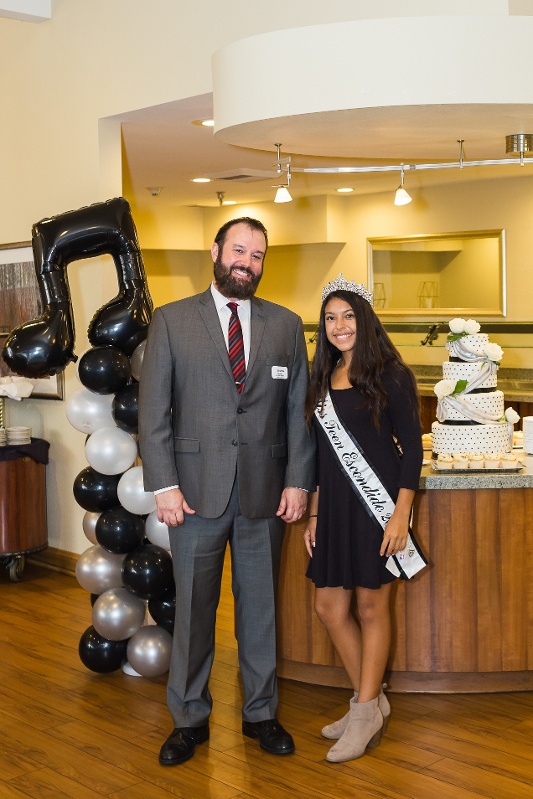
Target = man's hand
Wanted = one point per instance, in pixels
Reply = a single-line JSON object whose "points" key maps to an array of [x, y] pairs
{"points": [[171, 507], [293, 504]]}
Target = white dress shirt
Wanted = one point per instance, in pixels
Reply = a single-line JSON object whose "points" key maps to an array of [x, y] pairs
{"points": [[244, 311]]}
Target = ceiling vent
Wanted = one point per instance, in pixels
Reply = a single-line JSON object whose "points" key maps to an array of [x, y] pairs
{"points": [[243, 175]]}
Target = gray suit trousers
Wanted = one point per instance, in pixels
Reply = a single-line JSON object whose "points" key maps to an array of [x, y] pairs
{"points": [[198, 549]]}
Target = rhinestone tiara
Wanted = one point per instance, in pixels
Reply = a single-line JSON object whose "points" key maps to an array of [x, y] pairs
{"points": [[341, 284]]}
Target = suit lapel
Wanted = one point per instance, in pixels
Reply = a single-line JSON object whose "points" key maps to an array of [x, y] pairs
{"points": [[257, 324]]}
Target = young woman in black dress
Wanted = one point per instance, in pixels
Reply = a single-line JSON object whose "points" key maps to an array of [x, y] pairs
{"points": [[374, 398]]}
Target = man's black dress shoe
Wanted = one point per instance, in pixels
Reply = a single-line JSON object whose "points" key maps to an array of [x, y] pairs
{"points": [[181, 743], [272, 737]]}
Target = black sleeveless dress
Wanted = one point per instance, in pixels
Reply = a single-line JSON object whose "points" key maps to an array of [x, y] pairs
{"points": [[347, 539]]}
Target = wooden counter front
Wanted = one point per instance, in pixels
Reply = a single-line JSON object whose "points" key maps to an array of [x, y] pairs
{"points": [[463, 624]]}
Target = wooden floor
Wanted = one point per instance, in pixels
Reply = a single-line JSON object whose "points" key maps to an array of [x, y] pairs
{"points": [[67, 732]]}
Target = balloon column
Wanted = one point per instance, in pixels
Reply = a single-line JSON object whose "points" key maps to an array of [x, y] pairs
{"points": [[128, 567]]}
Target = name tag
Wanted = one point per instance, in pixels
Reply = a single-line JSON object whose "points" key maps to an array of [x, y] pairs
{"points": [[280, 373]]}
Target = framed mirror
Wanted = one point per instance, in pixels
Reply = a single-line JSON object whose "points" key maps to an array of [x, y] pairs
{"points": [[456, 274]]}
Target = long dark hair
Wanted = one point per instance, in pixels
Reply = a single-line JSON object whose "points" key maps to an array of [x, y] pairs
{"points": [[373, 351]]}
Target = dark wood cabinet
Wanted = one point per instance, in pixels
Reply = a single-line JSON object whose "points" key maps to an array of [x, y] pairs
{"points": [[23, 526]]}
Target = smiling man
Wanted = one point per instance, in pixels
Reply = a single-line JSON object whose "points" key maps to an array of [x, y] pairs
{"points": [[225, 447]]}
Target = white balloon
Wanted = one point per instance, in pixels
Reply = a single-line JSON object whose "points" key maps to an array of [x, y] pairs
{"points": [[110, 450], [87, 411], [156, 532], [117, 614], [149, 651], [129, 670], [98, 570], [89, 525], [131, 493], [136, 360]]}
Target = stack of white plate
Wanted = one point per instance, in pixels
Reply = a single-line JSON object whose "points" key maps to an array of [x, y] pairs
{"points": [[18, 435], [3, 437], [527, 427]]}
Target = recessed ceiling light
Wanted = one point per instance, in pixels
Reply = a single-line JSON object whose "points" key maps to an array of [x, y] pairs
{"points": [[201, 180], [204, 123], [344, 191]]}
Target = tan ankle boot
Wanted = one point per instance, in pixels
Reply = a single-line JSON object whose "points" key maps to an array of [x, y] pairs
{"points": [[334, 731], [364, 729]]}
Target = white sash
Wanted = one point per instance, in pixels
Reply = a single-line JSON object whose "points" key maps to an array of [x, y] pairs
{"points": [[367, 485]]}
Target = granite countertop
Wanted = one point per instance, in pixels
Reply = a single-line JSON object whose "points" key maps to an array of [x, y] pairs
{"points": [[431, 479]]}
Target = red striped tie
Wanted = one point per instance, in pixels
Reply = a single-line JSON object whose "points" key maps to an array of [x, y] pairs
{"points": [[236, 347]]}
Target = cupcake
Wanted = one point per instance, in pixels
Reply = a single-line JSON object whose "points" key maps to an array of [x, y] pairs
{"points": [[427, 441], [460, 460], [444, 461], [518, 439], [509, 460], [476, 460], [492, 460]]}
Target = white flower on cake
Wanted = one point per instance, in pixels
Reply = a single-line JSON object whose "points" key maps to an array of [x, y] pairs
{"points": [[444, 388], [493, 352], [471, 327], [511, 415], [460, 327], [457, 325]]}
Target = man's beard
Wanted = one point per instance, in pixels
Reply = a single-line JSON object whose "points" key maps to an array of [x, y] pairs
{"points": [[232, 287]]}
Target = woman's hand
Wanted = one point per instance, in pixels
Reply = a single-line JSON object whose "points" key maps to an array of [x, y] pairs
{"points": [[310, 535], [395, 533], [394, 537]]}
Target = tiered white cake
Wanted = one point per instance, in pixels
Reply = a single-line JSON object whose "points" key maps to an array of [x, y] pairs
{"points": [[470, 409]]}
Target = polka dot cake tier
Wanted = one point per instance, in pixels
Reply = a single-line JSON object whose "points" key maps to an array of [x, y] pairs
{"points": [[470, 409]]}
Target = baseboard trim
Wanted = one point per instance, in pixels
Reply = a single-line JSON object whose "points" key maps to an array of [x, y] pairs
{"points": [[57, 560]]}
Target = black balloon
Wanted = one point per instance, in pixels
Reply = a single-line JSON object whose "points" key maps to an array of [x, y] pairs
{"points": [[118, 530], [45, 346], [125, 408], [95, 491], [147, 571], [163, 610], [104, 370], [99, 654]]}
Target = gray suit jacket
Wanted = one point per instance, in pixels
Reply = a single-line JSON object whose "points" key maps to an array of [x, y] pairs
{"points": [[197, 431]]}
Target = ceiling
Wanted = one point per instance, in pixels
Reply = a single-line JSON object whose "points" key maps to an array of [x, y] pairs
{"points": [[164, 149]]}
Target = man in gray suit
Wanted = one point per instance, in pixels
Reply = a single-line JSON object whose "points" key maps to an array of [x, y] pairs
{"points": [[225, 447]]}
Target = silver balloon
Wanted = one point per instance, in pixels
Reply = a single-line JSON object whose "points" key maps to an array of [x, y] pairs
{"points": [[118, 614], [136, 360], [156, 532], [98, 570], [110, 450], [87, 411], [149, 651], [131, 493], [89, 525]]}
